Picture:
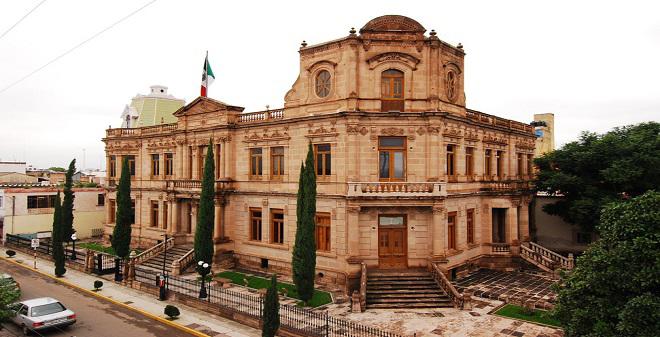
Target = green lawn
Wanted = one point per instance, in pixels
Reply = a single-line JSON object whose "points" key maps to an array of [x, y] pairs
{"points": [[97, 247], [319, 298], [517, 312]]}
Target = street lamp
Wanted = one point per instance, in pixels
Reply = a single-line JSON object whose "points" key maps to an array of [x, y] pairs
{"points": [[74, 237], [203, 270]]}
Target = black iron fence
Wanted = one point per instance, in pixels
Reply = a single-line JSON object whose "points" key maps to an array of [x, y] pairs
{"points": [[105, 264], [45, 247], [300, 320]]}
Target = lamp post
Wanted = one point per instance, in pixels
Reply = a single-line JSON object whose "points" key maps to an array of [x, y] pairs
{"points": [[164, 254], [74, 237], [203, 270]]}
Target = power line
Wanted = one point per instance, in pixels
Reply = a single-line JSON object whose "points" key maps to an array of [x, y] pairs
{"points": [[76, 46], [21, 19]]}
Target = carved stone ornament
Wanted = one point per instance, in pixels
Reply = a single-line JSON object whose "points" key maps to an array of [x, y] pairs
{"points": [[471, 134], [433, 130], [353, 209], [364, 131], [452, 132], [161, 144], [321, 130], [404, 58], [266, 136], [495, 139], [352, 129], [392, 132], [421, 131], [525, 144], [439, 210]]}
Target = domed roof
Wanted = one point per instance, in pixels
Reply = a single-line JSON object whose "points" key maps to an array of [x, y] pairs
{"points": [[392, 23]]}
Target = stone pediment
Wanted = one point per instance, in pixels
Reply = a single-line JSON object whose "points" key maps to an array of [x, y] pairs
{"points": [[204, 105], [404, 58], [393, 23]]}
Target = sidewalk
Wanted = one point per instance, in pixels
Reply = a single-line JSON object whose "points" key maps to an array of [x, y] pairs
{"points": [[204, 322]]}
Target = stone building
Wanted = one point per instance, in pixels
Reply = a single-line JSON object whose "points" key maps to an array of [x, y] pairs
{"points": [[407, 175]]}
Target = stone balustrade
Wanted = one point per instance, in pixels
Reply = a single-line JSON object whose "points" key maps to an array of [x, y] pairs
{"points": [[193, 184], [500, 247], [396, 189], [261, 116], [147, 130]]}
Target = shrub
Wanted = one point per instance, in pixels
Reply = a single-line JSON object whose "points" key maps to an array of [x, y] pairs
{"points": [[10, 253], [97, 285], [172, 312]]}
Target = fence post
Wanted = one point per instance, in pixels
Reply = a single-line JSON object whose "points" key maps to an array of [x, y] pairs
{"points": [[327, 325]]}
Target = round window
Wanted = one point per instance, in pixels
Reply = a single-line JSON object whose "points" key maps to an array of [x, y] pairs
{"points": [[323, 83]]}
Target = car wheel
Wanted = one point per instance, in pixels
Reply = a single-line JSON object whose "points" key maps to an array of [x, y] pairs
{"points": [[26, 331]]}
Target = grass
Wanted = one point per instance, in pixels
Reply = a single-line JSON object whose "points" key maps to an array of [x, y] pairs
{"points": [[518, 312], [319, 298], [97, 247]]}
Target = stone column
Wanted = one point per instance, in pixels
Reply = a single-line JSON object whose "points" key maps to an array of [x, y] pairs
{"points": [[353, 232], [223, 159], [170, 214], [195, 161], [439, 231], [512, 224], [176, 217], [193, 217], [227, 159], [352, 150], [435, 172], [523, 224], [217, 231]]}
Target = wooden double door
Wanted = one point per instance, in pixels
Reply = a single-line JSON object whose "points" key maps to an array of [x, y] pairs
{"points": [[392, 242]]}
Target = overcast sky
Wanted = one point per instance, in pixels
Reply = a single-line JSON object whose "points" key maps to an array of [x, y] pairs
{"points": [[594, 64]]}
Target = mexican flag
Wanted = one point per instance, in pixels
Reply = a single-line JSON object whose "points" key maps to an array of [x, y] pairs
{"points": [[207, 76]]}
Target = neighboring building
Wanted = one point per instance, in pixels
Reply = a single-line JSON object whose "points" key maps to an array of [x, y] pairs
{"points": [[407, 175], [29, 209], [554, 233], [152, 109], [545, 133], [13, 166], [17, 178]]}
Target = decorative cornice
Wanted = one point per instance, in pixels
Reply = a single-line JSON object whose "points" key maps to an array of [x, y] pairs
{"points": [[404, 58]]}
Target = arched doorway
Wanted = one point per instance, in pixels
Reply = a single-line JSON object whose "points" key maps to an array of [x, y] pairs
{"points": [[391, 92]]}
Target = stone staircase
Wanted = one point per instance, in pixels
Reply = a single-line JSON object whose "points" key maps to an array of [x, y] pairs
{"points": [[544, 258], [173, 254], [404, 289]]}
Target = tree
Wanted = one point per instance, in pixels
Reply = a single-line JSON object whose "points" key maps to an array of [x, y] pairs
{"points": [[57, 169], [58, 232], [271, 310], [121, 235], [613, 291], [598, 169], [9, 293], [206, 212], [67, 203], [304, 251]]}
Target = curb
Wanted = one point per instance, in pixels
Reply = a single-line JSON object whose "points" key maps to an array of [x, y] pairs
{"points": [[126, 306]]}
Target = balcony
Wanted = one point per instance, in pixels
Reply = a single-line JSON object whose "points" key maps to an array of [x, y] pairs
{"points": [[147, 130], [190, 185], [506, 186], [397, 189]]}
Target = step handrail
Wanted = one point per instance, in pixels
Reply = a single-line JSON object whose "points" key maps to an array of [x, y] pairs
{"points": [[535, 258], [153, 251], [455, 297], [182, 263], [566, 263]]}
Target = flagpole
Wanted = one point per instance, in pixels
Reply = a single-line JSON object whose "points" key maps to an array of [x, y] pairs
{"points": [[206, 70]]}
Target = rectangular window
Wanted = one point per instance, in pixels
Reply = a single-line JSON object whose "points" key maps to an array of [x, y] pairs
{"points": [[169, 164], [165, 215], [155, 165], [131, 165], [323, 160], [277, 162], [470, 226], [100, 199], [530, 164], [277, 226], [190, 162], [218, 163], [154, 214], [113, 166], [255, 224], [256, 162], [519, 166], [132, 211], [488, 164], [469, 161], [392, 158], [41, 201], [323, 232], [113, 211], [201, 155], [451, 160], [451, 230], [499, 161]]}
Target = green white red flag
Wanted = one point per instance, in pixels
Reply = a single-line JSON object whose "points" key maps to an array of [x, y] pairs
{"points": [[207, 76]]}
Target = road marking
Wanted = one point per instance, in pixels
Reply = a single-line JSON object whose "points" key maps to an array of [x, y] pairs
{"points": [[145, 313]]}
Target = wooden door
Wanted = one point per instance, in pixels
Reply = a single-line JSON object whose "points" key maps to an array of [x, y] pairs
{"points": [[392, 247]]}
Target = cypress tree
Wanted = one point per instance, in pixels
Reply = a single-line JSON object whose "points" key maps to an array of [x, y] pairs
{"points": [[58, 232], [121, 235], [67, 203], [271, 310], [206, 211], [304, 251]]}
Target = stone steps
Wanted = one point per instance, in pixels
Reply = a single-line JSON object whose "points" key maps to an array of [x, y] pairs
{"points": [[404, 289], [173, 254]]}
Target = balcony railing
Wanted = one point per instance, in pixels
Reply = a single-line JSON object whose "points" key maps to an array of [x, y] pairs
{"points": [[191, 184], [494, 120], [500, 247], [261, 116], [499, 186], [147, 130], [396, 189]]}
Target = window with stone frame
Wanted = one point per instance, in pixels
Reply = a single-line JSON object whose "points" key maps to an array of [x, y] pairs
{"points": [[392, 89], [499, 164], [113, 166], [131, 164], [451, 230], [451, 161], [392, 158], [470, 226], [256, 163], [322, 160], [217, 161], [469, 162], [255, 224], [277, 162], [277, 226], [100, 199], [169, 164], [520, 169], [323, 235], [154, 214], [530, 164], [323, 83], [155, 165]]}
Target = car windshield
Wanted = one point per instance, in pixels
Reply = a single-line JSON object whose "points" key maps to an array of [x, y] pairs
{"points": [[47, 309]]}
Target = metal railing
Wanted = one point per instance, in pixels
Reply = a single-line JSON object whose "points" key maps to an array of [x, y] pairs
{"points": [[453, 294], [45, 248]]}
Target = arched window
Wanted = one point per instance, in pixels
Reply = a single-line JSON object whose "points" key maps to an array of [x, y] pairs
{"points": [[391, 92], [323, 84], [451, 85]]}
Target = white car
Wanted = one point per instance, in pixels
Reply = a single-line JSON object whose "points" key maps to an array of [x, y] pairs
{"points": [[42, 313]]}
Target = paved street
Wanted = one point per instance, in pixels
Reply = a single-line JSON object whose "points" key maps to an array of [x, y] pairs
{"points": [[96, 317]]}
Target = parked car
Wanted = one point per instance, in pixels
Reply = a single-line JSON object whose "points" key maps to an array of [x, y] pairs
{"points": [[10, 280], [42, 313]]}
